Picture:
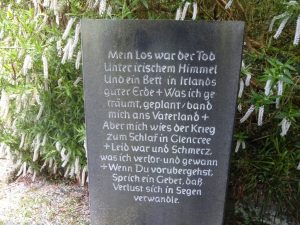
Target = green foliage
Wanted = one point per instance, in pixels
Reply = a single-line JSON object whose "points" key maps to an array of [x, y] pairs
{"points": [[42, 117]]}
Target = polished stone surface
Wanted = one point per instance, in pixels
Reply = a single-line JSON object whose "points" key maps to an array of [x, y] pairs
{"points": [[224, 40]]}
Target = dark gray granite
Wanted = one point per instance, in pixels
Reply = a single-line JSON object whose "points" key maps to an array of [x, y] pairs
{"points": [[189, 97]]}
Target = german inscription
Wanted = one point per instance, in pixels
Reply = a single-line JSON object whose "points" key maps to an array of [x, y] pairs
{"points": [[160, 104]]}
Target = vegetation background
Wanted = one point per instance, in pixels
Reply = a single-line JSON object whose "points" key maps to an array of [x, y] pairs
{"points": [[41, 95]]}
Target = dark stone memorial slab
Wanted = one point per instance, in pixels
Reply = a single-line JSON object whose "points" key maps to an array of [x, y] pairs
{"points": [[160, 99]]}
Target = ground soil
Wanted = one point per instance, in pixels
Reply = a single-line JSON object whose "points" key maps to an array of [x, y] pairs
{"points": [[42, 202]]}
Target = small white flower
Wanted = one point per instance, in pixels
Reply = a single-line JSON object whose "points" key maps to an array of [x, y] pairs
{"points": [[13, 96], [50, 163], [298, 167], [52, 2], [21, 53], [78, 59], [68, 28], [77, 81], [38, 139], [85, 147], [21, 169], [84, 170], [67, 158], [44, 164], [260, 115], [276, 18], [248, 79], [67, 171], [243, 64], [65, 163], [1, 34], [240, 107], [22, 140], [285, 126], [46, 3], [44, 140], [281, 27], [280, 88], [237, 147], [89, 4], [241, 88], [29, 170], [268, 87], [184, 11], [59, 82], [67, 51], [24, 100], [24, 169], [195, 10], [44, 21], [279, 92], [297, 32], [4, 104], [77, 165], [178, 14], [27, 65], [109, 11], [58, 47], [57, 19], [33, 176], [20, 30], [55, 168], [95, 3], [35, 4], [63, 155], [38, 117], [247, 114], [14, 126], [58, 146], [243, 145], [102, 7], [76, 36], [37, 98], [72, 171], [35, 154], [45, 68], [277, 103], [71, 50], [292, 3], [228, 5]]}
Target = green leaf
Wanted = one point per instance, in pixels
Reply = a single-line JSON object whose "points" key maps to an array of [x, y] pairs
{"points": [[145, 3], [287, 80]]}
